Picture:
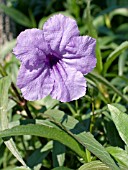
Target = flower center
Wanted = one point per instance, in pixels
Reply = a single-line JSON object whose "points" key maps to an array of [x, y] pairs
{"points": [[52, 59]]}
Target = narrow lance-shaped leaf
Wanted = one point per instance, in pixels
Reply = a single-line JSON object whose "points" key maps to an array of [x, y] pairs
{"points": [[45, 129], [4, 86], [73, 139], [77, 130], [39, 154], [114, 55], [120, 155], [16, 168], [121, 121], [94, 165], [16, 15], [58, 154], [62, 168], [121, 62]]}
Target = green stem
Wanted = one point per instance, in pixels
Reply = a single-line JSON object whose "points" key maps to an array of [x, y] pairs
{"points": [[71, 109], [92, 117], [76, 104], [88, 153]]}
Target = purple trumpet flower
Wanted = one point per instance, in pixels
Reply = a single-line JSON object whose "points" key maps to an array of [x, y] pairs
{"points": [[54, 60]]}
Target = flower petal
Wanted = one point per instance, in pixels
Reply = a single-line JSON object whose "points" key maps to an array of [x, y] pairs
{"points": [[58, 31], [31, 47], [69, 83], [35, 84], [80, 54]]}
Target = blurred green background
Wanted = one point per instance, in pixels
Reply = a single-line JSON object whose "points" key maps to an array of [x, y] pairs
{"points": [[105, 20]]}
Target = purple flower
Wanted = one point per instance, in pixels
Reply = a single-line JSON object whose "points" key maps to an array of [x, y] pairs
{"points": [[54, 60]]}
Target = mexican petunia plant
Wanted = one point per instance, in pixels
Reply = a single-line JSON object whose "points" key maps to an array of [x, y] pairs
{"points": [[89, 133], [54, 60]]}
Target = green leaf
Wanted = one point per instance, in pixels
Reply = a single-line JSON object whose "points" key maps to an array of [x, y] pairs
{"points": [[77, 130], [122, 108], [94, 165], [16, 15], [32, 19], [120, 155], [42, 21], [112, 133], [11, 104], [92, 32], [122, 62], [4, 86], [73, 7], [61, 168], [108, 10], [114, 55], [101, 79], [58, 154], [39, 154], [45, 129], [119, 11], [48, 102], [16, 168], [6, 48], [120, 120], [122, 29]]}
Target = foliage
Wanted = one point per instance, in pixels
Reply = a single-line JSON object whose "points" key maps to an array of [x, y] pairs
{"points": [[90, 133]]}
